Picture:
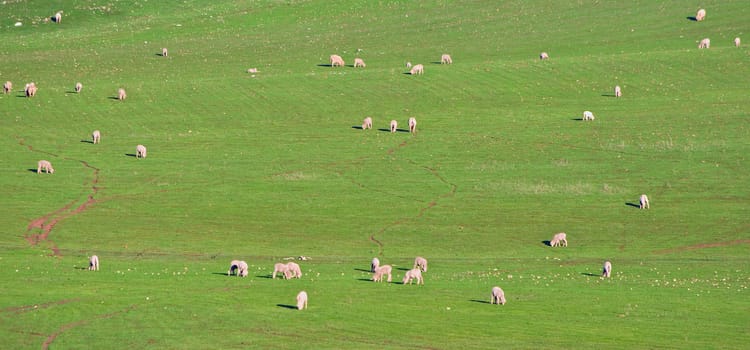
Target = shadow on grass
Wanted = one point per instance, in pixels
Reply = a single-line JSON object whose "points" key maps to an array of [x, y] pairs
{"points": [[590, 274], [365, 279], [363, 270], [547, 243], [633, 205], [222, 273], [113, 98], [87, 141], [389, 130], [578, 119], [480, 301], [692, 18], [33, 170], [264, 276], [130, 154], [609, 95], [293, 307], [357, 127]]}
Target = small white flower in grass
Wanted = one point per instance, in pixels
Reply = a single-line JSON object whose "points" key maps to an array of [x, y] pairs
{"points": [[448, 308]]}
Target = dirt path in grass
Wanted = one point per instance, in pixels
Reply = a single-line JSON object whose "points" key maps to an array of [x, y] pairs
{"points": [[702, 246], [39, 229], [51, 338]]}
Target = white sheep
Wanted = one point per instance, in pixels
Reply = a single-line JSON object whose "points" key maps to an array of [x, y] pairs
{"points": [[164, 52], [96, 136], [30, 89], [253, 70], [282, 268], [607, 269], [446, 59], [587, 115], [294, 270], [559, 239], [233, 267], [302, 300], [418, 69], [79, 87], [140, 151], [336, 61], [358, 62], [243, 269], [367, 123], [412, 125], [7, 87], [44, 165], [705, 44], [737, 42], [700, 15], [58, 17], [394, 125], [543, 56], [94, 263], [618, 91], [380, 271], [498, 296], [374, 264], [421, 263], [408, 65], [121, 95], [643, 202], [413, 274]]}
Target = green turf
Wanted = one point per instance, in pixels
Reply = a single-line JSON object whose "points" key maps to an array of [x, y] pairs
{"points": [[264, 166]]}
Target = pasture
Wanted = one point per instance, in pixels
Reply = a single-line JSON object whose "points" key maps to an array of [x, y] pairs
{"points": [[271, 165]]}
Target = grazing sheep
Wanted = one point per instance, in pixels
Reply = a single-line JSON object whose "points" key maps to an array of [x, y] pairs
{"points": [[44, 165], [283, 268], [94, 263], [618, 91], [643, 202], [121, 95], [294, 270], [380, 271], [164, 52], [737, 42], [705, 44], [58, 17], [96, 136], [302, 300], [367, 123], [140, 151], [79, 87], [358, 62], [421, 263], [7, 87], [700, 15], [243, 269], [418, 69], [543, 56], [394, 125], [253, 70], [587, 115], [607, 270], [408, 65], [498, 296], [446, 59], [234, 267], [413, 274], [374, 264], [30, 89], [412, 125], [336, 61], [559, 239]]}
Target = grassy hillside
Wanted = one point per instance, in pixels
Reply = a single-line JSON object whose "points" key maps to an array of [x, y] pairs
{"points": [[265, 166]]}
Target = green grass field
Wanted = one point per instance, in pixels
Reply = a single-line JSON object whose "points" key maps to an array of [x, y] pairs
{"points": [[260, 167]]}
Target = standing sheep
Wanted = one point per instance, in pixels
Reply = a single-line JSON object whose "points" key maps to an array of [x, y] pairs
{"points": [[79, 87], [394, 125], [587, 115], [559, 239], [336, 61], [94, 263], [418, 69], [607, 270], [380, 271], [283, 268], [408, 65], [367, 123], [543, 56], [243, 269], [294, 270], [413, 274], [121, 95], [7, 87], [446, 59], [358, 62], [96, 136], [58, 17], [44, 165], [412, 125], [643, 202], [234, 267], [705, 44], [700, 15], [164, 52], [737, 42], [498, 296], [302, 300], [374, 264], [30, 89], [421, 263], [618, 91], [140, 151]]}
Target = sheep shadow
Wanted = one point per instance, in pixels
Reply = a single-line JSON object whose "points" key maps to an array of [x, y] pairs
{"points": [[590, 274], [480, 301], [547, 243], [633, 205], [114, 98], [403, 268], [436, 62], [159, 54], [293, 307], [326, 65], [389, 130], [364, 279], [71, 92], [264, 276], [609, 95], [577, 119], [53, 19], [358, 127], [130, 154], [408, 73], [363, 270], [87, 141], [692, 18]]}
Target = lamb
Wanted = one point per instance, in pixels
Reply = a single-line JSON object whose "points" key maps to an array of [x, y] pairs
{"points": [[705, 44], [302, 300], [283, 268], [242, 266], [618, 91], [418, 69], [358, 62], [394, 125], [164, 52], [498, 296], [94, 263], [607, 270], [79, 87], [380, 271], [446, 59], [140, 151], [121, 95], [96, 136], [367, 123], [294, 270], [45, 166], [643, 202], [412, 125], [587, 115], [58, 17], [336, 61], [374, 264], [253, 70], [7, 87], [543, 56], [559, 239], [700, 15], [408, 65], [30, 89], [421, 263], [737, 42], [233, 267], [413, 274]]}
